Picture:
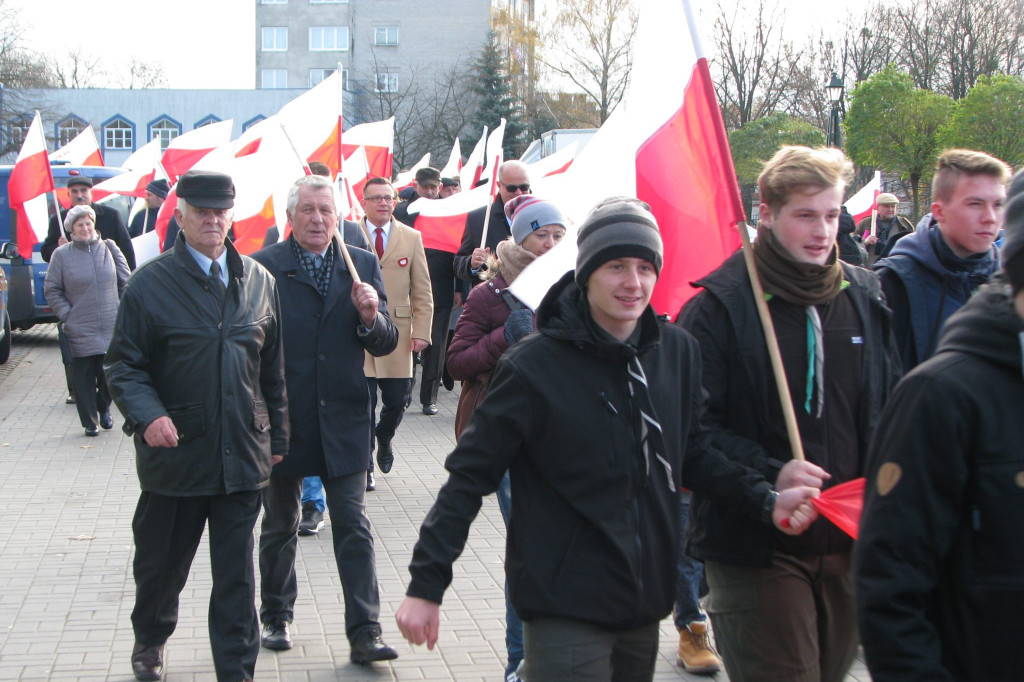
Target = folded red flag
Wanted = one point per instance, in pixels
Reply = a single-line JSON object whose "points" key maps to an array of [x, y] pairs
{"points": [[842, 505]]}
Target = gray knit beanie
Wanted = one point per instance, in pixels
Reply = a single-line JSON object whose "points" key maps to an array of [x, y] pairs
{"points": [[1012, 254], [618, 227], [527, 213]]}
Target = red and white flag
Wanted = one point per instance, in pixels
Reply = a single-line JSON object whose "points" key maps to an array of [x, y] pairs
{"points": [[553, 164], [441, 222], [143, 167], [474, 168], [666, 145], [354, 173], [406, 178], [861, 204], [83, 150], [313, 122], [495, 156], [185, 150], [378, 140], [454, 165], [30, 178]]}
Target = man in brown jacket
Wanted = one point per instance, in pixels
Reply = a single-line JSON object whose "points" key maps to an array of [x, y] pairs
{"points": [[403, 264]]}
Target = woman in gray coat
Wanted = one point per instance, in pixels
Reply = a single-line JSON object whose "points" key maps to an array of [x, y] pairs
{"points": [[83, 286]]}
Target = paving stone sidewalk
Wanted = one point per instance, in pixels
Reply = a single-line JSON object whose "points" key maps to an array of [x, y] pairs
{"points": [[66, 589]]}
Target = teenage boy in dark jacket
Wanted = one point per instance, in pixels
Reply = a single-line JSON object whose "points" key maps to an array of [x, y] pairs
{"points": [[782, 608], [592, 417], [939, 565]]}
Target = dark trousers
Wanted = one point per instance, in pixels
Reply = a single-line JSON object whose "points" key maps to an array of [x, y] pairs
{"points": [[794, 621], [65, 356], [353, 550], [564, 650], [90, 389], [167, 531], [433, 356], [394, 395]]}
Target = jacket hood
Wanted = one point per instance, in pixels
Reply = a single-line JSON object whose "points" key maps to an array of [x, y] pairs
{"points": [[918, 247], [987, 326], [565, 315]]}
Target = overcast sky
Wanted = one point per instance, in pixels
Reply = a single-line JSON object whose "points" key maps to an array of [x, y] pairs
{"points": [[211, 43]]}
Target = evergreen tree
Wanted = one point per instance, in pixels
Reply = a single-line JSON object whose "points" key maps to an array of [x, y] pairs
{"points": [[497, 99]]}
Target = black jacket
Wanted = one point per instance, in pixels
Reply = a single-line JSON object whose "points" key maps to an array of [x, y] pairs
{"points": [[215, 366], [109, 225], [743, 400], [498, 229], [939, 565], [593, 535], [323, 356]]}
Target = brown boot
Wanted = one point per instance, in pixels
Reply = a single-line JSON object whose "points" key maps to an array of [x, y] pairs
{"points": [[696, 655]]}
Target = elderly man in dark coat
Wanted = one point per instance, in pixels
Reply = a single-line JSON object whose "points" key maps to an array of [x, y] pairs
{"points": [[329, 320]]}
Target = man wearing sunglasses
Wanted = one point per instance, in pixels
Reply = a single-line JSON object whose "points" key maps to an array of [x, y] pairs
{"points": [[513, 180]]}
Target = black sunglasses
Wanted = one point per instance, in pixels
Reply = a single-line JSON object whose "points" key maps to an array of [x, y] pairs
{"points": [[524, 188]]}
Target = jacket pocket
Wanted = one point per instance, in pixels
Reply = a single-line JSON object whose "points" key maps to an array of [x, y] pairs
{"points": [[260, 416], [998, 551], [401, 311], [190, 421]]}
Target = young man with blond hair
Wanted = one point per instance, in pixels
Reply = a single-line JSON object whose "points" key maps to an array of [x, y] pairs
{"points": [[930, 274]]}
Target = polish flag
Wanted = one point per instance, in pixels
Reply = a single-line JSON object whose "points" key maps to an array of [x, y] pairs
{"points": [[861, 204], [665, 144], [378, 139], [313, 122], [184, 151], [495, 155], [553, 164], [474, 168], [454, 165], [30, 178], [83, 150], [441, 222], [406, 178], [143, 167]]}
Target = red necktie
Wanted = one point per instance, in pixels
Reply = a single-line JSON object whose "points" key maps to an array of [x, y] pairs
{"points": [[379, 243]]}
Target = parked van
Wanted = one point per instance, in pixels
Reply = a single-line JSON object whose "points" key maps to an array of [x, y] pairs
{"points": [[25, 304]]}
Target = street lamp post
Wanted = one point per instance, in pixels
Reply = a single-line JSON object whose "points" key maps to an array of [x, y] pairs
{"points": [[835, 95]]}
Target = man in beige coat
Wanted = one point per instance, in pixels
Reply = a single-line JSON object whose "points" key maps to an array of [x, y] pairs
{"points": [[403, 264]]}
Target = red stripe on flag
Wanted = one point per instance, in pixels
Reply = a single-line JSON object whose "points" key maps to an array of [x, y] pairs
{"points": [[443, 233], [329, 152], [26, 235], [867, 214], [163, 218], [178, 161], [250, 148], [250, 231], [94, 159], [685, 172], [378, 159], [29, 178]]}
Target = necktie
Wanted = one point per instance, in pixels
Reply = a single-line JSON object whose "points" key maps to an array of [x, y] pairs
{"points": [[218, 283], [379, 242]]}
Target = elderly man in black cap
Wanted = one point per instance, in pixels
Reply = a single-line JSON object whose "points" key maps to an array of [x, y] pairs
{"points": [[144, 221], [196, 367]]}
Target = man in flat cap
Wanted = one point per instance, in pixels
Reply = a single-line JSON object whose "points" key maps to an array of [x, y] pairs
{"points": [[449, 186], [196, 367], [889, 228], [144, 221]]}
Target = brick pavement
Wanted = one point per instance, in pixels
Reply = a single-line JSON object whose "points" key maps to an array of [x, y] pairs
{"points": [[66, 591]]}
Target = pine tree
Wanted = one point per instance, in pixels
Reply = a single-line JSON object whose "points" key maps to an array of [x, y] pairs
{"points": [[497, 98]]}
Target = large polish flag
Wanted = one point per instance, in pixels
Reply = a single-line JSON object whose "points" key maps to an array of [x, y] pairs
{"points": [[186, 150], [378, 140], [861, 204], [312, 121], [30, 179], [143, 167], [83, 150], [454, 165], [666, 145], [441, 222]]}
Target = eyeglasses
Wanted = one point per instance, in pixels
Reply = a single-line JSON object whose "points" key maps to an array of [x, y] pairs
{"points": [[524, 188], [381, 199]]}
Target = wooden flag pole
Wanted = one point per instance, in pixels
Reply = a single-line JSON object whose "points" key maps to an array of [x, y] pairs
{"points": [[796, 445]]}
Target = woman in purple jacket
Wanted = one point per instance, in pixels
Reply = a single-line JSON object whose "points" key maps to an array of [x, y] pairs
{"points": [[491, 321]]}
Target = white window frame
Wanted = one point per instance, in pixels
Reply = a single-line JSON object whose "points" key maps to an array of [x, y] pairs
{"points": [[118, 134], [318, 38], [274, 33], [68, 129], [388, 41], [275, 75], [388, 80], [166, 130]]}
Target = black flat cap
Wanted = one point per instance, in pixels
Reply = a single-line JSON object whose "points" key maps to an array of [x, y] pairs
{"points": [[449, 182], [159, 188], [80, 180], [206, 189]]}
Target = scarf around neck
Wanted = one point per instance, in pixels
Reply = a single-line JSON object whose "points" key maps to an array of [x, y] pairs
{"points": [[800, 283]]}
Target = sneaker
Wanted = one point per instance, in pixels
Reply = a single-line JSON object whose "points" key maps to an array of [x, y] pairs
{"points": [[70, 400], [276, 636], [429, 409], [696, 655], [312, 520]]}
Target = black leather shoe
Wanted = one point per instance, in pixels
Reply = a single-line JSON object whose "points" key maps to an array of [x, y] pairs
{"points": [[106, 421], [447, 381], [148, 662], [70, 400], [368, 647], [371, 485], [92, 431], [429, 409], [385, 455], [276, 636]]}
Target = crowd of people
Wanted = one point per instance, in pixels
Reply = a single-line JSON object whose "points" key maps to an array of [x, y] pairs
{"points": [[634, 458]]}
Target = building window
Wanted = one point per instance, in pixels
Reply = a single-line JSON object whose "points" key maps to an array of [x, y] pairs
{"points": [[118, 134], [18, 129], [275, 38], [273, 78], [165, 130], [324, 38], [387, 82], [252, 121], [385, 35], [68, 129], [318, 76], [209, 119]]}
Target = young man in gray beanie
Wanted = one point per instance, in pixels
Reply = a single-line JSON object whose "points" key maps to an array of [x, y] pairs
{"points": [[939, 564], [591, 417]]}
